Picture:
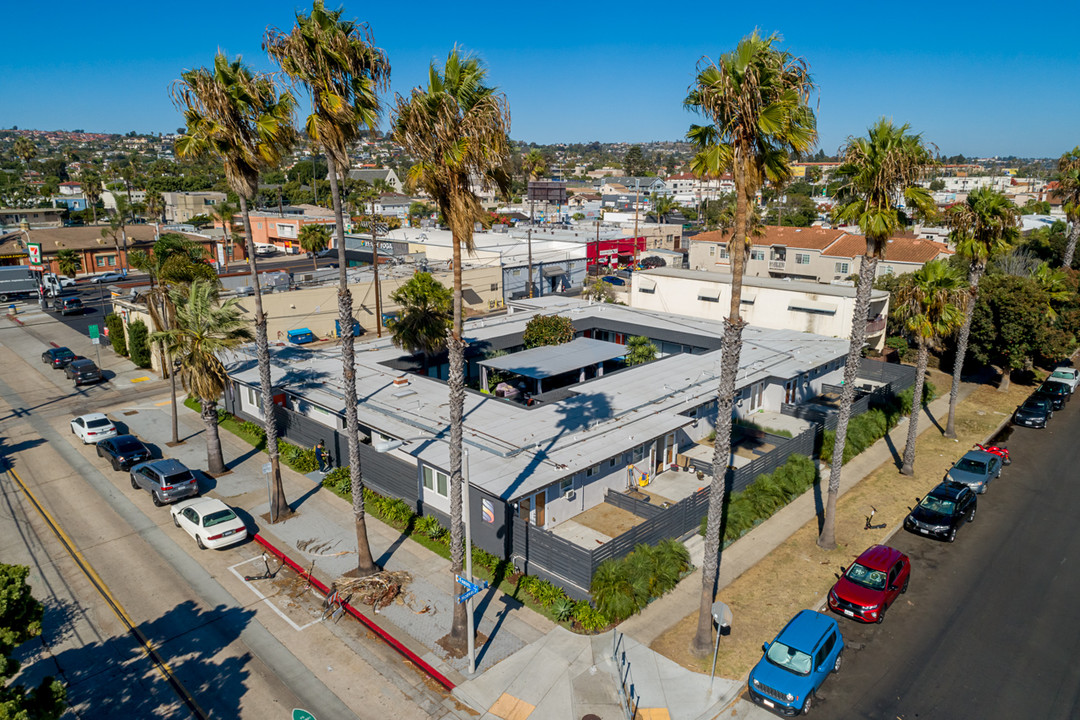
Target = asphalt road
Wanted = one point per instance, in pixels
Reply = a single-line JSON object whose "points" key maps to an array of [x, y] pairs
{"points": [[988, 628]]}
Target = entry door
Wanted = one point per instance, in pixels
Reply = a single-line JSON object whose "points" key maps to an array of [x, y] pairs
{"points": [[540, 501], [789, 392]]}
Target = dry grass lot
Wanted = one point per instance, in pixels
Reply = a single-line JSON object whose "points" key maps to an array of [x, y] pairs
{"points": [[798, 574]]}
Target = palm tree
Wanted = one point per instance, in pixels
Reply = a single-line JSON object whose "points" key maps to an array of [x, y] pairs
{"points": [[239, 117], [155, 205], [225, 213], [25, 150], [983, 227], [370, 193], [1069, 192], [314, 239], [1055, 282], [456, 129], [69, 262], [928, 303], [662, 205], [337, 62], [423, 317], [91, 187], [201, 330], [877, 172], [756, 99], [129, 173], [117, 231]]}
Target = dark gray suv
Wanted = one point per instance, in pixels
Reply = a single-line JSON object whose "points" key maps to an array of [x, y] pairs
{"points": [[167, 480]]}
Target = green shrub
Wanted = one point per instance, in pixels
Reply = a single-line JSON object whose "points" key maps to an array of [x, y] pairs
{"points": [[613, 591], [253, 429], [563, 608], [396, 512], [589, 618], [339, 481], [429, 525], [115, 324], [299, 459], [139, 344]]}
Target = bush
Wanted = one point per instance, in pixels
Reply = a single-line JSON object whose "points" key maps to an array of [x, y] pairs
{"points": [[139, 345], [563, 609], [298, 458], [589, 618], [115, 324], [339, 481], [871, 426], [429, 526], [622, 587], [255, 430]]}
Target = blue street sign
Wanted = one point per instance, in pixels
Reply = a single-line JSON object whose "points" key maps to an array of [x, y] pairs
{"points": [[470, 588]]}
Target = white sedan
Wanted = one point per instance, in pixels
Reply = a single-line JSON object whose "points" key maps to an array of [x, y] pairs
{"points": [[93, 427], [211, 522], [1067, 376]]}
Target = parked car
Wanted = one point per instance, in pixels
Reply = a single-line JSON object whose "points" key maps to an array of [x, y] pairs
{"points": [[1067, 375], [93, 427], [1035, 412], [123, 451], [83, 371], [942, 511], [611, 279], [870, 586], [1057, 393], [211, 522], [976, 469], [69, 306], [58, 357], [167, 480], [108, 277], [796, 663]]}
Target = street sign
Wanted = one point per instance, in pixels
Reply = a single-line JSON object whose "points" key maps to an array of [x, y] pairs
{"points": [[470, 588], [267, 468], [298, 714], [94, 332], [34, 250]]}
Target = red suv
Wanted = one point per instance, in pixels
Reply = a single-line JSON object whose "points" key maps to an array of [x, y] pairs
{"points": [[867, 588]]}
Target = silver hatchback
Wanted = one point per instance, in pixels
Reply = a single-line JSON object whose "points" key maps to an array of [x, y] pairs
{"points": [[167, 480]]}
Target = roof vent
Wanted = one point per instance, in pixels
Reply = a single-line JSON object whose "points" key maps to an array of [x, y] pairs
{"points": [[401, 381]]}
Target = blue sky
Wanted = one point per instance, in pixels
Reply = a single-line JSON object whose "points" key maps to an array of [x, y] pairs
{"points": [[979, 79]]}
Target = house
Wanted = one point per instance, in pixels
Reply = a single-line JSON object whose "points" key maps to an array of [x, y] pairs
{"points": [[766, 302], [71, 188], [182, 206], [108, 197], [644, 186], [370, 175], [903, 254], [282, 229], [11, 218], [592, 429]]}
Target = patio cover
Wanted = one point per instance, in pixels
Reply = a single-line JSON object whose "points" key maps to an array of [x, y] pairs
{"points": [[551, 360]]}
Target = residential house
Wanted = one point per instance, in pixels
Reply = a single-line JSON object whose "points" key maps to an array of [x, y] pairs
{"points": [[11, 218], [370, 175], [903, 254], [108, 197], [282, 229], [182, 206]]}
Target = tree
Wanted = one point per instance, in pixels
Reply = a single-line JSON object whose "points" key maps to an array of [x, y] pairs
{"points": [[20, 620], [663, 205], [937, 184], [138, 343], [116, 232], [548, 330], [876, 172], [755, 98], [599, 291], [456, 129], [337, 62], [25, 150], [238, 117], [424, 315], [634, 164], [225, 213], [929, 305], [69, 262], [115, 324], [155, 205], [202, 328], [639, 350], [983, 227], [1008, 323], [1069, 192], [314, 239], [534, 166]]}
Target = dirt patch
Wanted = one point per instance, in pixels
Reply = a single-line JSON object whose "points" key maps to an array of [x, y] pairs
{"points": [[798, 574], [607, 519]]}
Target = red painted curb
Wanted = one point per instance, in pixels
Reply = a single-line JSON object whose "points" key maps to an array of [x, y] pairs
{"points": [[366, 621]]}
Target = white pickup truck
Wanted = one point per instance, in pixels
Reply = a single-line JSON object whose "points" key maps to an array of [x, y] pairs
{"points": [[1066, 376]]}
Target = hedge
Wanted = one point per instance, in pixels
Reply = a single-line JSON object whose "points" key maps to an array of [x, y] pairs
{"points": [[115, 325], [871, 426]]}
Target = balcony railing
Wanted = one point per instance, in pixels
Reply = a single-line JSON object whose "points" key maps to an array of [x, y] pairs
{"points": [[875, 326]]}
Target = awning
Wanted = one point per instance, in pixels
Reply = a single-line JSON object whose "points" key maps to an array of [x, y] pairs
{"points": [[646, 284], [812, 306], [709, 292], [553, 271], [748, 298]]}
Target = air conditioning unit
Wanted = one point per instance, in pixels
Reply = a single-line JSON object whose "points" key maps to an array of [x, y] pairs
{"points": [[569, 495]]}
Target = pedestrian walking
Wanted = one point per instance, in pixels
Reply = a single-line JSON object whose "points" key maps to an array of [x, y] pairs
{"points": [[321, 456]]}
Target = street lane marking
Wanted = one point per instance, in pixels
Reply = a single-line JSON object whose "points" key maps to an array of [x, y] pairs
{"points": [[142, 379], [266, 600]]}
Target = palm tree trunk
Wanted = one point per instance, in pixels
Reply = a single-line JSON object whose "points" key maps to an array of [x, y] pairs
{"points": [[974, 275], [1006, 378], [867, 271], [908, 467], [215, 462], [375, 269], [365, 564], [458, 637], [172, 399], [725, 397], [279, 507], [1070, 246]]}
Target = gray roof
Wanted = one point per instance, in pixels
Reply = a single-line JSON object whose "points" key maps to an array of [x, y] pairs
{"points": [[761, 282], [551, 360]]}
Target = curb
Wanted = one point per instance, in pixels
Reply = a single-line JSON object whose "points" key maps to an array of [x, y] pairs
{"points": [[364, 620]]}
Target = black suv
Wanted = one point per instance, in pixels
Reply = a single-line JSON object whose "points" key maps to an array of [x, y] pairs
{"points": [[942, 511], [83, 371], [1057, 393], [123, 451], [167, 480]]}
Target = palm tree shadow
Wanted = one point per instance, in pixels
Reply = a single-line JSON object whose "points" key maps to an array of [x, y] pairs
{"points": [[929, 414], [898, 461]]}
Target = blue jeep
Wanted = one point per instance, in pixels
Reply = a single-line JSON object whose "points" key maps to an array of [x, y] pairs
{"points": [[796, 663]]}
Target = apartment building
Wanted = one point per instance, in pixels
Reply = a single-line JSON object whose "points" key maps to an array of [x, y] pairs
{"points": [[182, 206]]}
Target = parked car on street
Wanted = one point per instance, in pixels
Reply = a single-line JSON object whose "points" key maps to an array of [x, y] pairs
{"points": [[611, 279], [976, 469], [942, 511], [1057, 393], [1035, 412], [58, 357], [1067, 375], [796, 663], [123, 451], [211, 522], [870, 586], [167, 480], [69, 306], [93, 427], [108, 277], [83, 371]]}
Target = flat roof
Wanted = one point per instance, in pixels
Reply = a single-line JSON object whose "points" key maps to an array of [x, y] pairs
{"points": [[551, 360], [801, 286]]}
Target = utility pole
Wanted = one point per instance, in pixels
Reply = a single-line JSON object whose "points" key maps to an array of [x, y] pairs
{"points": [[598, 248], [532, 221], [637, 198], [375, 265]]}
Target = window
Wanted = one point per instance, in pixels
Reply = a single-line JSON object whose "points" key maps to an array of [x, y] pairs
{"points": [[611, 462], [802, 258], [593, 471], [436, 481], [842, 268], [286, 230], [724, 254], [757, 254], [886, 270], [712, 251], [566, 485], [494, 287]]}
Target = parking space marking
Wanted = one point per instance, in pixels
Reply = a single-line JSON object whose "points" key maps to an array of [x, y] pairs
{"points": [[265, 599]]}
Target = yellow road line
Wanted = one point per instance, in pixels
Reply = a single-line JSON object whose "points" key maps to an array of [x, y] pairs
{"points": [[118, 609], [163, 402], [142, 379]]}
